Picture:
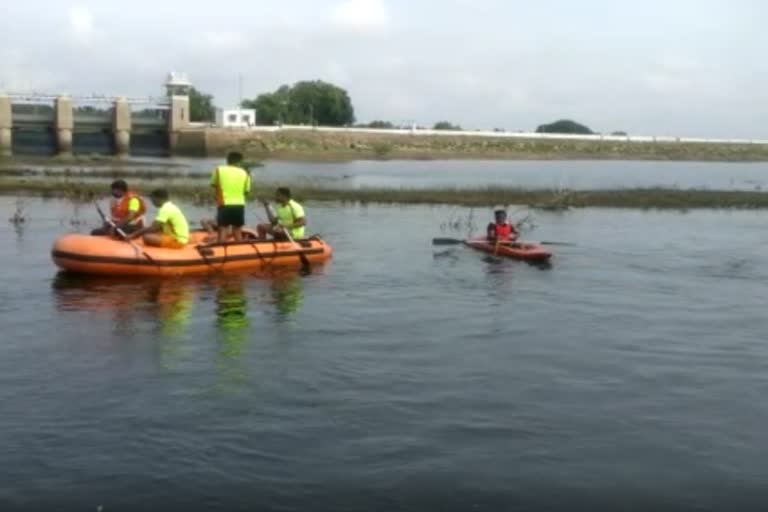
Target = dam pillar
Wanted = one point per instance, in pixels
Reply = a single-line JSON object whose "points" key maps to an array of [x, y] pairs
{"points": [[6, 126], [178, 119], [64, 123], [121, 127]]}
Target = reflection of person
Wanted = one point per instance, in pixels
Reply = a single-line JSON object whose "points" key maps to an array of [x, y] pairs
{"points": [[232, 316], [232, 184], [127, 211], [288, 295], [170, 228], [289, 216], [174, 301]]}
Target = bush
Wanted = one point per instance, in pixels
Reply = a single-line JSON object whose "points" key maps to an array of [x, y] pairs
{"points": [[564, 126]]}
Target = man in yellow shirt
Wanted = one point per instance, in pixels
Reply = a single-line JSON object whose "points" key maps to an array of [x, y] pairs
{"points": [[170, 228], [288, 218], [232, 185]]}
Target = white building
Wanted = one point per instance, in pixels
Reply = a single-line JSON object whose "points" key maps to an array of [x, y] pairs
{"points": [[235, 118], [177, 84]]}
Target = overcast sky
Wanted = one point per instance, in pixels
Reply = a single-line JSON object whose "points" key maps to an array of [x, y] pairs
{"points": [[677, 67]]}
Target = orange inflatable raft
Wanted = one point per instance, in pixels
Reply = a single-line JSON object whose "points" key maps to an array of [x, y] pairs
{"points": [[105, 256]]}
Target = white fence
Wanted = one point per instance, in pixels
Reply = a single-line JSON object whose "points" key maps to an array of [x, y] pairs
{"points": [[505, 135]]}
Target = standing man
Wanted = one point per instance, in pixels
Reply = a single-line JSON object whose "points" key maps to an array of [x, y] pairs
{"points": [[127, 210], [289, 218], [170, 228], [232, 184]]}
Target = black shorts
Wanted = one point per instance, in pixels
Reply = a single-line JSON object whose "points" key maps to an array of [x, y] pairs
{"points": [[231, 216]]}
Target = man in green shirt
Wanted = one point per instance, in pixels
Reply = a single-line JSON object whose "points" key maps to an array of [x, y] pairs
{"points": [[288, 218], [232, 184], [170, 228]]}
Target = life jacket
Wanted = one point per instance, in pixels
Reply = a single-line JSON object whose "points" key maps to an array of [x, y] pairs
{"points": [[120, 210], [504, 231]]}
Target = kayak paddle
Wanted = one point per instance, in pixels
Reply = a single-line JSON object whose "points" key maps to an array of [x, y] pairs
{"points": [[456, 241]]}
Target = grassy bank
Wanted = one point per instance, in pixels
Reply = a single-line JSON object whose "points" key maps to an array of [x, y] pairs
{"points": [[311, 145], [200, 193]]}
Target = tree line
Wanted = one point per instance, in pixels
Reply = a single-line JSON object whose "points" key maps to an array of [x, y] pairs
{"points": [[322, 103]]}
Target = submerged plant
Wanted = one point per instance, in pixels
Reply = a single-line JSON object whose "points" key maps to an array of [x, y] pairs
{"points": [[18, 216]]}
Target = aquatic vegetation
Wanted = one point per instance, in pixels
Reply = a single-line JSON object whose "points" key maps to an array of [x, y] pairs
{"points": [[546, 199], [18, 216]]}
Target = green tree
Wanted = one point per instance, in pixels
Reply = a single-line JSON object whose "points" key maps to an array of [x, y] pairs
{"points": [[308, 102], [445, 125], [381, 125], [201, 108], [564, 126]]}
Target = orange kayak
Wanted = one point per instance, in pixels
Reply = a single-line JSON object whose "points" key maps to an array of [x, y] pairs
{"points": [[517, 250], [105, 256]]}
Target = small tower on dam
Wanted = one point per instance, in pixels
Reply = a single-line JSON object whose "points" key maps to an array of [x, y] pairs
{"points": [[178, 87]]}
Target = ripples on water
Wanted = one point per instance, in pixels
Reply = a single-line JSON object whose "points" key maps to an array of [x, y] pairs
{"points": [[630, 375]]}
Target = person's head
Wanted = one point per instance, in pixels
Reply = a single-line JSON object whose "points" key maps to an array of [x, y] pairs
{"points": [[159, 197], [119, 188], [501, 216], [234, 158], [283, 195]]}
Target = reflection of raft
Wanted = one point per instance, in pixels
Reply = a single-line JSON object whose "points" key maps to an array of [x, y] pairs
{"points": [[104, 256]]}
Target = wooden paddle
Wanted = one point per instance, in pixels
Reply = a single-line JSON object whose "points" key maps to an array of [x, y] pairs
{"points": [[121, 233], [306, 269]]}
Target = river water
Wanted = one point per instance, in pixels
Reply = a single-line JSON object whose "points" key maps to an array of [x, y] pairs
{"points": [[576, 175], [631, 374]]}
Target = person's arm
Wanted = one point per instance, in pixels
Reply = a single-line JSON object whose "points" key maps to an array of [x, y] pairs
{"points": [[297, 212], [490, 231], [155, 227], [134, 207], [270, 216]]}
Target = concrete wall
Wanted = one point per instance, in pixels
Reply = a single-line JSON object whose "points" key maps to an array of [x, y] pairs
{"points": [[6, 126], [122, 127], [178, 120], [64, 123], [506, 135]]}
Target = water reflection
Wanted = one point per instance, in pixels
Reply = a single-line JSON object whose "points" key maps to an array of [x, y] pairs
{"points": [[232, 333], [287, 296], [166, 308]]}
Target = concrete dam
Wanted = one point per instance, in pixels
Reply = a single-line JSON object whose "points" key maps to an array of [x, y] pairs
{"points": [[48, 124]]}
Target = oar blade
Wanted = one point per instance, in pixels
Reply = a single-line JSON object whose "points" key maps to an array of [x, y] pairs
{"points": [[446, 241]]}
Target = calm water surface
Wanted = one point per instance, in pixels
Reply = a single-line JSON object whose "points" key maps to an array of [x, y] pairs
{"points": [[527, 174], [630, 375]]}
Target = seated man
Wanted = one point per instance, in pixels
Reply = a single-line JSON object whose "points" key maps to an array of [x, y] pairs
{"points": [[501, 230], [127, 211], [289, 218], [170, 228]]}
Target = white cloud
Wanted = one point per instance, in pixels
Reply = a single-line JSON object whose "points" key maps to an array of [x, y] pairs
{"points": [[81, 24], [224, 40], [361, 15]]}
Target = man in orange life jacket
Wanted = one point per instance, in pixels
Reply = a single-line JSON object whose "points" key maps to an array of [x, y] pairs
{"points": [[127, 210], [501, 230]]}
